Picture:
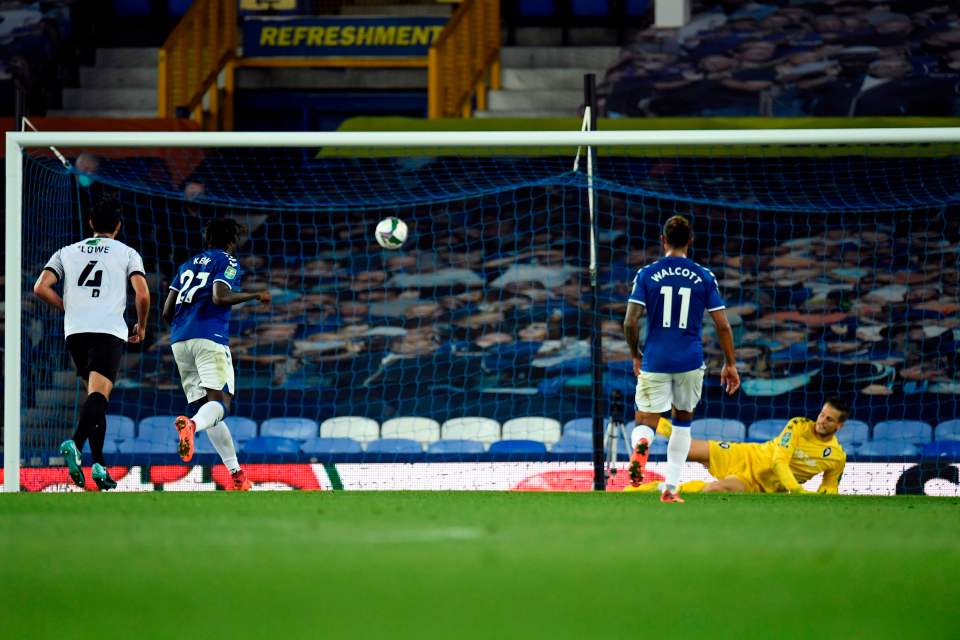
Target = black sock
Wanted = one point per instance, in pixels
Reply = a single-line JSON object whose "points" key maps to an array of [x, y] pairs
{"points": [[94, 414]]}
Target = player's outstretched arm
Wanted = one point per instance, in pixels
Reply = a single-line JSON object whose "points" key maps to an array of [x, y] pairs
{"points": [[142, 302], [631, 331], [222, 295], [729, 377], [43, 289], [831, 478], [782, 454]]}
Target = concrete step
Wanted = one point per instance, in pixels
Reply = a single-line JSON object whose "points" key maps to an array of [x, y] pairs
{"points": [[402, 11], [545, 78], [553, 36], [118, 77], [558, 57], [56, 398], [535, 100], [103, 113], [525, 114], [138, 99], [127, 57]]}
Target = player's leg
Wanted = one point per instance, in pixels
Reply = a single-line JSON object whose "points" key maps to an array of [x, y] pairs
{"points": [[215, 371], [685, 391], [652, 398], [184, 356], [107, 352], [731, 484]]}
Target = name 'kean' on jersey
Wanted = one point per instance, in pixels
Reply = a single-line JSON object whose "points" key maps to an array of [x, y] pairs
{"points": [[196, 316], [675, 292], [94, 273]]}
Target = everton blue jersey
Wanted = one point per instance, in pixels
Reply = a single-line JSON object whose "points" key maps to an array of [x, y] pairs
{"points": [[196, 316], [675, 291]]}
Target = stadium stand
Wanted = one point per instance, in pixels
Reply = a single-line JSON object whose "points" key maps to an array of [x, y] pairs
{"points": [[269, 445], [357, 428], [395, 446], [719, 429], [331, 446], [785, 58], [465, 447], [948, 430]]}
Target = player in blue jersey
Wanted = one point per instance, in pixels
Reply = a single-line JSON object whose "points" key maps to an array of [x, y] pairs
{"points": [[198, 311], [675, 292]]}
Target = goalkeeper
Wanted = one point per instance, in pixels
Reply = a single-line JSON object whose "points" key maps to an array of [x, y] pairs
{"points": [[803, 449]]}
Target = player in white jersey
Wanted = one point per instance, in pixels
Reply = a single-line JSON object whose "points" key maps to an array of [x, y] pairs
{"points": [[94, 273]]}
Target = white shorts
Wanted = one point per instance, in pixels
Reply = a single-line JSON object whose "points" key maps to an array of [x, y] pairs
{"points": [[657, 392], [203, 364]]}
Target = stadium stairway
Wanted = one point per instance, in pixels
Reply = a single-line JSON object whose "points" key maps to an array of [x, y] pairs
{"points": [[123, 84], [545, 81]]}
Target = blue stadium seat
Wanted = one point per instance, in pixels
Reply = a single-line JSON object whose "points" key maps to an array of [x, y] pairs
{"points": [[518, 446], [949, 430], [271, 444], [472, 447], [157, 429], [203, 444], [942, 449], [110, 446], [763, 430], [659, 447], [394, 445], [578, 425], [719, 429], [242, 429], [897, 448], [913, 431], [120, 428], [854, 432], [330, 446], [298, 428], [141, 445], [573, 443], [590, 8]]}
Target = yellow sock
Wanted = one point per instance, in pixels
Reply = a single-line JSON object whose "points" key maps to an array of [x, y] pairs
{"points": [[693, 486], [646, 487], [664, 427]]}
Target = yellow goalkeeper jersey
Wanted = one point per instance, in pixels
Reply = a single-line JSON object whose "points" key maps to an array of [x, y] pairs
{"points": [[795, 456]]}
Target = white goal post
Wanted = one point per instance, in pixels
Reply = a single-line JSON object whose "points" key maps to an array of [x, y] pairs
{"points": [[18, 143]]}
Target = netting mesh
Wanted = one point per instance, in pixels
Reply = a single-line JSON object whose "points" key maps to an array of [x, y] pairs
{"points": [[839, 268]]}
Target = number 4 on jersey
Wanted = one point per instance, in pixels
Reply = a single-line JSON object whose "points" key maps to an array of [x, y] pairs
{"points": [[86, 280]]}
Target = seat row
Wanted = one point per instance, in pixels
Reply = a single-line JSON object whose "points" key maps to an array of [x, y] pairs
{"points": [[532, 434]]}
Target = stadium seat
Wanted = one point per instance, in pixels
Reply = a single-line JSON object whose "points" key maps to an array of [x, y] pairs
{"points": [[573, 444], [942, 449], [854, 432], [157, 429], [394, 445], [534, 447], [143, 446], [110, 446], [768, 429], [120, 428], [203, 444], [271, 444], [330, 446], [897, 448], [659, 447], [913, 431], [483, 430], [297, 428], [242, 429], [578, 425], [545, 430], [949, 430], [354, 427], [718, 429], [423, 430], [456, 446]]}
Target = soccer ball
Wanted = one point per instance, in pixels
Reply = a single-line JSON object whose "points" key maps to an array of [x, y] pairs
{"points": [[391, 233]]}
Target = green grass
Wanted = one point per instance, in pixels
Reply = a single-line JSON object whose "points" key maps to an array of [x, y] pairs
{"points": [[476, 565]]}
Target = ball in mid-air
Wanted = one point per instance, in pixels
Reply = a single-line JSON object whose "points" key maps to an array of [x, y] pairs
{"points": [[391, 233]]}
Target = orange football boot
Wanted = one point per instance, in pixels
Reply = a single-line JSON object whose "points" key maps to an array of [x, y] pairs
{"points": [[240, 482], [186, 428], [671, 496], [638, 462]]}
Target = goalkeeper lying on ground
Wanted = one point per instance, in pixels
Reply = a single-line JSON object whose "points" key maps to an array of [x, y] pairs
{"points": [[802, 450]]}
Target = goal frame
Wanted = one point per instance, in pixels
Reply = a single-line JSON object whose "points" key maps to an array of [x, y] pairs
{"points": [[19, 142]]}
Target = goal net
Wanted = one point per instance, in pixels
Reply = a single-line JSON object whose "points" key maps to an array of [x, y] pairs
{"points": [[463, 359]]}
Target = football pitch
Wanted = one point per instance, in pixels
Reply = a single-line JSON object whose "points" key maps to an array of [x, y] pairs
{"points": [[476, 565]]}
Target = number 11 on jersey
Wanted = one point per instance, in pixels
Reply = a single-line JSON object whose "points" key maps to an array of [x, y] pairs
{"points": [[667, 292]]}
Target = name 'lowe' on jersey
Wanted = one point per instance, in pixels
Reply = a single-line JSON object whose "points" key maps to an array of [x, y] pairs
{"points": [[196, 316], [675, 291]]}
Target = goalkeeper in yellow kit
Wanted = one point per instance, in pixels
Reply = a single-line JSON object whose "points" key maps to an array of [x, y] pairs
{"points": [[803, 449]]}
